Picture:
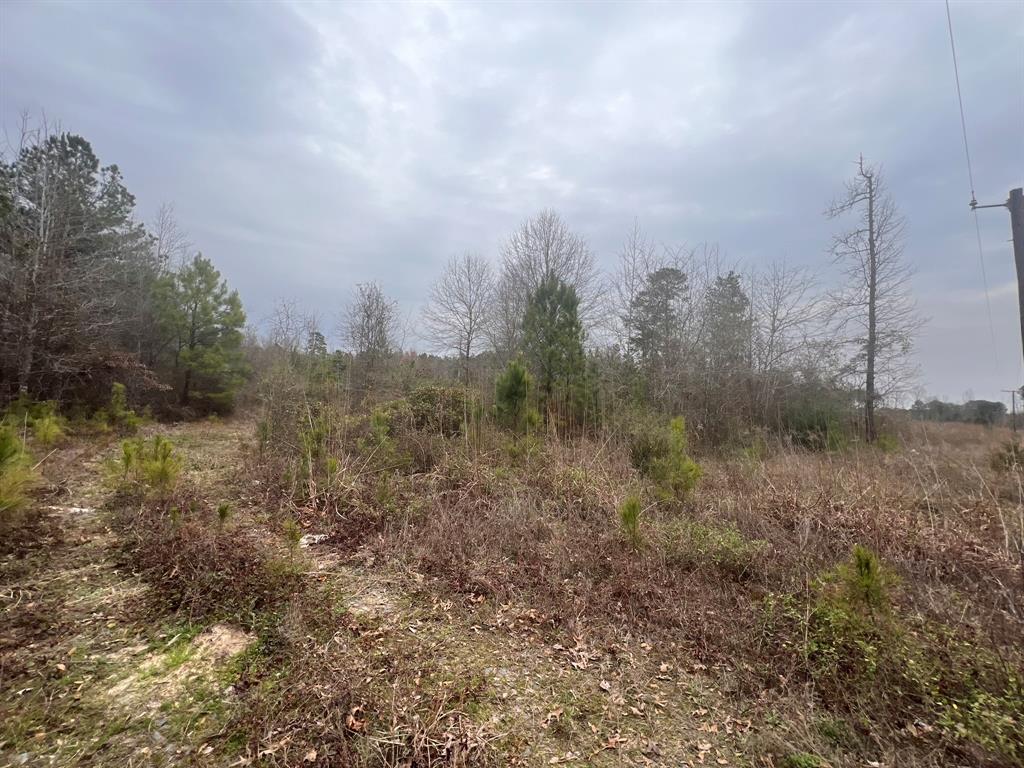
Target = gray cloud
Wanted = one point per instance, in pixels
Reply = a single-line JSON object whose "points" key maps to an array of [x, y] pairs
{"points": [[309, 146]]}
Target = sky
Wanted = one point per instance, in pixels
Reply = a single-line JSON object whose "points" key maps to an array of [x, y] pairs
{"points": [[310, 146]]}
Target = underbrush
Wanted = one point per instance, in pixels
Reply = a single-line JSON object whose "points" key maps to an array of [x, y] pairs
{"points": [[321, 688], [200, 566], [750, 568]]}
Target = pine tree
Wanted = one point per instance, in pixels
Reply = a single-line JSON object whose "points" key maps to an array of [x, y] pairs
{"points": [[656, 318], [728, 326], [203, 321], [553, 341]]}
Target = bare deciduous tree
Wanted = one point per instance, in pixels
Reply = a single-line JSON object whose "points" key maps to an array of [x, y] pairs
{"points": [[874, 310], [455, 317], [544, 245], [370, 324]]}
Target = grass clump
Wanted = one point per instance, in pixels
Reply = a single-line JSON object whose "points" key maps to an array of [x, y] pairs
{"points": [[661, 455], [629, 519], [803, 760]]}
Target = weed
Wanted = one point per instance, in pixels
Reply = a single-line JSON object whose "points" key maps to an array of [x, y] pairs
{"points": [[691, 544]]}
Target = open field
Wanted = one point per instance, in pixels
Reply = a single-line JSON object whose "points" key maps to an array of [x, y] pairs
{"points": [[481, 605]]}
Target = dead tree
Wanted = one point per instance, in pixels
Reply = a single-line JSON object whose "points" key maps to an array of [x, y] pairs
{"points": [[875, 313]]}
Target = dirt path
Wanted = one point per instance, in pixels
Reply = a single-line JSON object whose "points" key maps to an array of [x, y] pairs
{"points": [[85, 679]]}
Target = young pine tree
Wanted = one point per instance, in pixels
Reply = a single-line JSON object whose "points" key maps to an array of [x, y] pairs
{"points": [[553, 342]]}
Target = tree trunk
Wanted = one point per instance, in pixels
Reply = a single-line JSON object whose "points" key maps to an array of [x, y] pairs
{"points": [[869, 383]]}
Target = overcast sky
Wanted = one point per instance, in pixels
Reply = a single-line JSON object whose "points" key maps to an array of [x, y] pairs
{"points": [[310, 146]]}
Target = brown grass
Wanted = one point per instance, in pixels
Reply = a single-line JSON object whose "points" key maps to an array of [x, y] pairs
{"points": [[538, 527]]}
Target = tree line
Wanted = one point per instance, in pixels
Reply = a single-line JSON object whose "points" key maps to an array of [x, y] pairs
{"points": [[673, 328], [90, 296]]}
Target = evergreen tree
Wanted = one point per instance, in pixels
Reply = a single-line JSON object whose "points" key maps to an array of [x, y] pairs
{"points": [[728, 326], [656, 318], [203, 321], [553, 340], [511, 395], [70, 258]]}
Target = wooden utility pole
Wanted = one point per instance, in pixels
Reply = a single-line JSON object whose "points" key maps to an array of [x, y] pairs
{"points": [[1015, 204]]}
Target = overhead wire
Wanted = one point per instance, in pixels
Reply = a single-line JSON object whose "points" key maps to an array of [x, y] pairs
{"points": [[970, 178]]}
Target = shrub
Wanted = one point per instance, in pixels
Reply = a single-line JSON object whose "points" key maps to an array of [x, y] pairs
{"points": [[629, 518], [444, 410], [1008, 456], [661, 455], [511, 398], [201, 572], [818, 425], [691, 544], [887, 443], [882, 667], [15, 477]]}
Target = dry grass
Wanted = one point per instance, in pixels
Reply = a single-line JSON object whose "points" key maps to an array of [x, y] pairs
{"points": [[476, 602], [733, 576]]}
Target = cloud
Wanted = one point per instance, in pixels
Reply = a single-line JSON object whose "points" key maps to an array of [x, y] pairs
{"points": [[308, 146]]}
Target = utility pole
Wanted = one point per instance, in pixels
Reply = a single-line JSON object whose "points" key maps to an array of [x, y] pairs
{"points": [[1013, 411], [1015, 203]]}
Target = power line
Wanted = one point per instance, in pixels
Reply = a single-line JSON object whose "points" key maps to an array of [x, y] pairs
{"points": [[960, 100], [970, 178]]}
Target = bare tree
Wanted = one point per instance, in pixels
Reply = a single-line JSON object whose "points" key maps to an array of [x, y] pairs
{"points": [[371, 324], [541, 245], [788, 314], [455, 317], [637, 260], [504, 326], [874, 309], [171, 246]]}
